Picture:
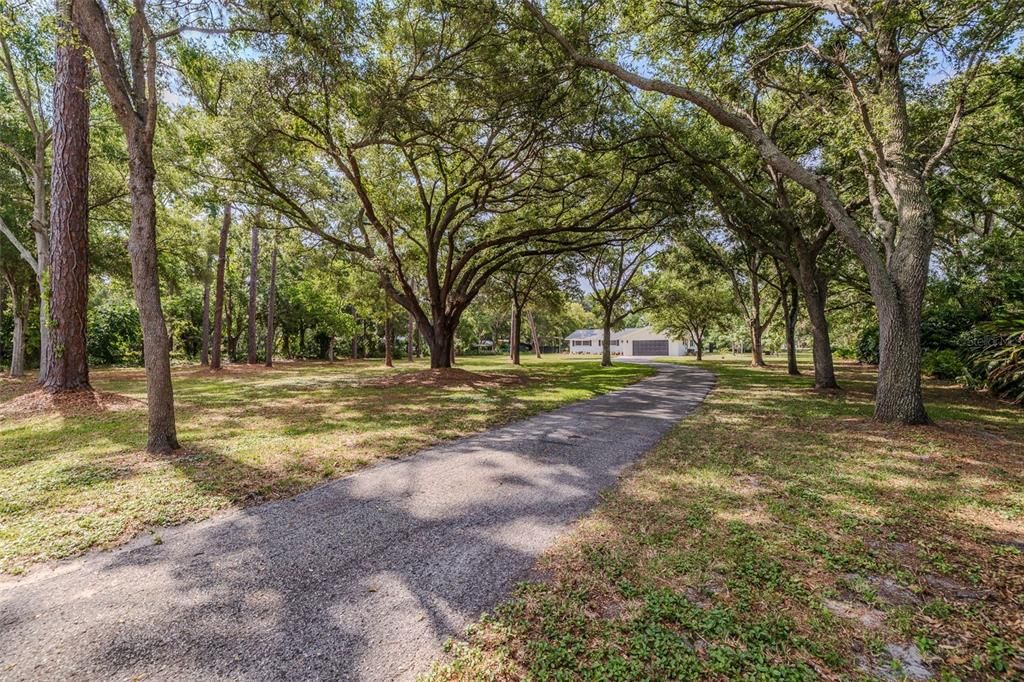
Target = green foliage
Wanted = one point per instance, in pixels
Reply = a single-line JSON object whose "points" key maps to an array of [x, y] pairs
{"points": [[943, 364], [1003, 360], [113, 333], [691, 300], [867, 346]]}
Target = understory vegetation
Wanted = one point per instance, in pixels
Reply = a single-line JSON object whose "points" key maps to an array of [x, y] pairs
{"points": [[780, 534], [79, 478]]}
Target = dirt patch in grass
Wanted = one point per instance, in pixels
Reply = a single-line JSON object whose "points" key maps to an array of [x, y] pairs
{"points": [[67, 403], [781, 534], [450, 376]]}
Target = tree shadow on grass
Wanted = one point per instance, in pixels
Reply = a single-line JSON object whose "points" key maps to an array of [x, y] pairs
{"points": [[361, 578]]}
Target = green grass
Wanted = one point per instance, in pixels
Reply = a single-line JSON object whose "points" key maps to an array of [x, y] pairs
{"points": [[780, 534], [71, 481]]}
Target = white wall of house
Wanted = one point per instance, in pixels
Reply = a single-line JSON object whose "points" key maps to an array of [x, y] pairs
{"points": [[626, 344], [586, 346], [638, 343]]}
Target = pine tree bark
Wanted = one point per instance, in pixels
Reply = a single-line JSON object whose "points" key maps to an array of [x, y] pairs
{"points": [[218, 301], [66, 356], [254, 256], [271, 303]]}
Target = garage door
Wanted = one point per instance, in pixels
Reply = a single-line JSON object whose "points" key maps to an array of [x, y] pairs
{"points": [[650, 347]]}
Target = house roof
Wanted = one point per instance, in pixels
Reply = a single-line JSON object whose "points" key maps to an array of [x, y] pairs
{"points": [[627, 331], [584, 334]]}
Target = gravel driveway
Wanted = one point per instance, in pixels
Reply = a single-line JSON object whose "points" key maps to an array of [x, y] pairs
{"points": [[361, 578]]}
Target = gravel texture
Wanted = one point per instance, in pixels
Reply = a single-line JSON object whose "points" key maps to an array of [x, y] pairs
{"points": [[362, 578]]}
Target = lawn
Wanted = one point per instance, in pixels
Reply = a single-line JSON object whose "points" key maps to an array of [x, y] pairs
{"points": [[73, 480], [780, 534]]}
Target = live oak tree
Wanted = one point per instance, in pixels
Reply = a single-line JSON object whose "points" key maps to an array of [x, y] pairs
{"points": [[690, 299], [749, 271], [858, 70], [614, 272], [522, 282], [443, 151], [764, 210]]}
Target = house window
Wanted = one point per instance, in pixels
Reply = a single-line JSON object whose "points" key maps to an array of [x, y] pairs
{"points": [[583, 343], [613, 342]]}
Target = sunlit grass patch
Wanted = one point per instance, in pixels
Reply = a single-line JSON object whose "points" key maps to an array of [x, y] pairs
{"points": [[781, 534], [69, 483]]}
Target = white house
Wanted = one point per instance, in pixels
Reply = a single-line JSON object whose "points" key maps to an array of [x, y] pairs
{"points": [[631, 342]]}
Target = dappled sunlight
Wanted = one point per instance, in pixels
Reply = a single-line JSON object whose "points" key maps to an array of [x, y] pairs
{"points": [[782, 514], [250, 434]]}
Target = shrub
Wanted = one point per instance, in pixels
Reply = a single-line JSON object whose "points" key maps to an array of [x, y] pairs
{"points": [[114, 335], [1003, 360], [943, 364], [867, 346]]}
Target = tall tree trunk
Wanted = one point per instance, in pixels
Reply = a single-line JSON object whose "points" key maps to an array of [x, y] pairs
{"points": [[606, 345], [355, 346], [271, 302], [389, 357], [17, 368], [330, 348], [218, 301], [814, 288], [3, 293], [898, 398], [42, 238], [18, 347], [142, 251], [410, 333], [204, 341], [756, 348], [514, 335], [754, 323], [700, 346], [440, 339], [254, 260], [790, 312], [533, 333], [66, 356]]}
